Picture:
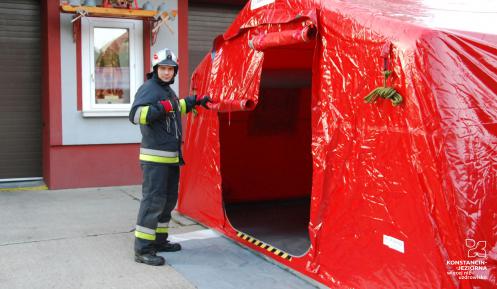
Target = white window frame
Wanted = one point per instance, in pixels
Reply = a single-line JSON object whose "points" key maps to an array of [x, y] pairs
{"points": [[135, 27]]}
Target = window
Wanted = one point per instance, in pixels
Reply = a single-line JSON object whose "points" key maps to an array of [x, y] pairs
{"points": [[112, 65]]}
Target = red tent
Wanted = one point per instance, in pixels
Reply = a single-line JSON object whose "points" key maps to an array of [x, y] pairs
{"points": [[374, 195]]}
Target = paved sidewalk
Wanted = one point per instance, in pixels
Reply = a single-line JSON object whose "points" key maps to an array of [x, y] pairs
{"points": [[83, 239], [77, 238]]}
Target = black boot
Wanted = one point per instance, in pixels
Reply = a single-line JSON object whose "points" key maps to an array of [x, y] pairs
{"points": [[167, 247], [150, 259]]}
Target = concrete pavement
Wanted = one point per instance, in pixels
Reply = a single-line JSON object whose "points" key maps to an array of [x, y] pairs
{"points": [[77, 238], [82, 238]]}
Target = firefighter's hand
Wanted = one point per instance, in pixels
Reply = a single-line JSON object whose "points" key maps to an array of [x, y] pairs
{"points": [[191, 101], [203, 101]]}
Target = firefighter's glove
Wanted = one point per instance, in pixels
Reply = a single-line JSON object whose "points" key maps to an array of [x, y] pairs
{"points": [[190, 101], [167, 105], [203, 101]]}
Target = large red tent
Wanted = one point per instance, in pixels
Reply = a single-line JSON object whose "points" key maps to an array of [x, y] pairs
{"points": [[377, 195]]}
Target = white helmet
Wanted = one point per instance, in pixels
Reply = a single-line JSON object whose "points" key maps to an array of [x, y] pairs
{"points": [[165, 57]]}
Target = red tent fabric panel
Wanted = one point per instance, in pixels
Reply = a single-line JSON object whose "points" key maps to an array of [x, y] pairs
{"points": [[401, 196]]}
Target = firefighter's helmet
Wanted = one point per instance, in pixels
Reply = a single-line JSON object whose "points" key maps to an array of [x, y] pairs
{"points": [[165, 57]]}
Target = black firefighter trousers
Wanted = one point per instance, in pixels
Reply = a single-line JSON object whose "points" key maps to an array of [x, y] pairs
{"points": [[160, 194]]}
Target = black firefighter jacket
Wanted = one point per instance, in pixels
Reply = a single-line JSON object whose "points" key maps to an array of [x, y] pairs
{"points": [[161, 130]]}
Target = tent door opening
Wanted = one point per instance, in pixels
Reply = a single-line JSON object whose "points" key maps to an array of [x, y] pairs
{"points": [[266, 161]]}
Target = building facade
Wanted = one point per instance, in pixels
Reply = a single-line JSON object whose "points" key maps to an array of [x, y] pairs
{"points": [[69, 74]]}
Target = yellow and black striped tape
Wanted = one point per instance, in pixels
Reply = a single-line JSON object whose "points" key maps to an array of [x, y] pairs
{"points": [[264, 246]]}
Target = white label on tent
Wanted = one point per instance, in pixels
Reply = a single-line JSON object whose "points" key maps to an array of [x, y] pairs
{"points": [[393, 243], [254, 4]]}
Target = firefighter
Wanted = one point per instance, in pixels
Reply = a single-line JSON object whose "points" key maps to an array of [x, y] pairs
{"points": [[158, 111]]}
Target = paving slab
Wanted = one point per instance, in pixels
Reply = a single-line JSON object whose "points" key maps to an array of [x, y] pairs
{"points": [[104, 261], [55, 214]]}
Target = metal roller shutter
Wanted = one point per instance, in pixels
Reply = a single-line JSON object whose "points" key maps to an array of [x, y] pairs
{"points": [[205, 22], [20, 84]]}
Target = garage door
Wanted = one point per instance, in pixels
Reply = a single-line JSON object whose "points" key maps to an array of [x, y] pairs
{"points": [[20, 84], [205, 22]]}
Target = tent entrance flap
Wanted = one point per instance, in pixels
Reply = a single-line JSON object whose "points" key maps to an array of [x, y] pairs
{"points": [[266, 161]]}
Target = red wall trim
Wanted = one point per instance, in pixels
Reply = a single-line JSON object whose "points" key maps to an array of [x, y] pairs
{"points": [[95, 166], [53, 71], [184, 78], [147, 34], [51, 84]]}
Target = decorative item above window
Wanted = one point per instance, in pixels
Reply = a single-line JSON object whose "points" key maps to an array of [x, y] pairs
{"points": [[120, 3], [124, 9], [110, 11]]}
